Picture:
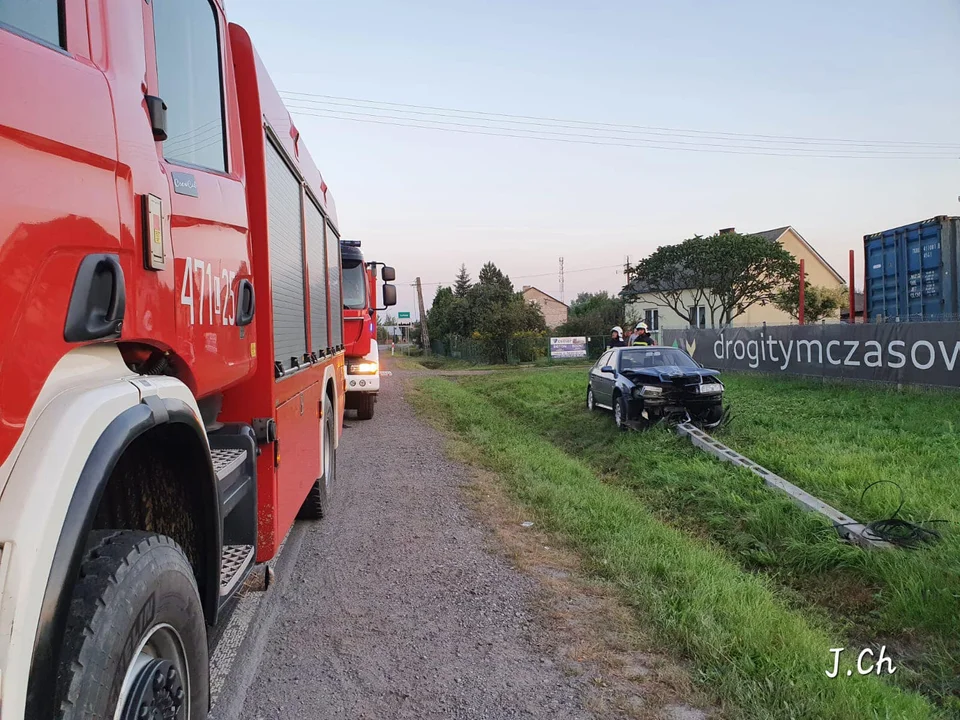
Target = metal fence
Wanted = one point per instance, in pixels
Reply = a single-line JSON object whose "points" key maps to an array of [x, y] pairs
{"points": [[517, 350]]}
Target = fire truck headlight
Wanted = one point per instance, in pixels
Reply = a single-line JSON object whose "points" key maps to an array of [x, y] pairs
{"points": [[363, 368]]}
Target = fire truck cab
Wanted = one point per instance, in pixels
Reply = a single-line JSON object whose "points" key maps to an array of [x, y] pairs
{"points": [[172, 378], [360, 325]]}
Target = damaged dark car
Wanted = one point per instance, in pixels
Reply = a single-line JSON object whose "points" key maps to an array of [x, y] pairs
{"points": [[645, 385]]}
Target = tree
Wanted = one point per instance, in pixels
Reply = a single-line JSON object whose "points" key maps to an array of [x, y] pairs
{"points": [[726, 272], [462, 284], [678, 276], [746, 270], [819, 302], [490, 311], [593, 314], [440, 320], [383, 322]]}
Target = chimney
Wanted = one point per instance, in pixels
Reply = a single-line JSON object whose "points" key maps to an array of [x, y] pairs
{"points": [[726, 231], [526, 287]]}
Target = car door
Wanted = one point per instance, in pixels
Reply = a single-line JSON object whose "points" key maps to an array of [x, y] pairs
{"points": [[602, 382], [595, 376]]}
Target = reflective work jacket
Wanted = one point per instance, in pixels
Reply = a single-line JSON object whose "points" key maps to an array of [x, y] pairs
{"points": [[646, 339]]}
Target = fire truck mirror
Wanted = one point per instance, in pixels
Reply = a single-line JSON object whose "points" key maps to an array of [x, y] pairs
{"points": [[388, 274], [389, 295]]}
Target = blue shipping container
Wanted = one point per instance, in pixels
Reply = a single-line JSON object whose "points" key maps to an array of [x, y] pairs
{"points": [[912, 271]]}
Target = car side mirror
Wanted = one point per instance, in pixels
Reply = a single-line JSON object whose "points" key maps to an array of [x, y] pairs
{"points": [[388, 274], [608, 369], [389, 295]]}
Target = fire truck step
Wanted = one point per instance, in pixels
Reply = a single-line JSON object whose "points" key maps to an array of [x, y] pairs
{"points": [[234, 565], [226, 460]]}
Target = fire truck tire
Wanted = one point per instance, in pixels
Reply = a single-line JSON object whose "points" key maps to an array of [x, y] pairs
{"points": [[365, 406], [316, 505], [136, 636]]}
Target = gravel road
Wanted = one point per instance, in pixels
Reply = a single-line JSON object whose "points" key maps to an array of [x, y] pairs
{"points": [[393, 607]]}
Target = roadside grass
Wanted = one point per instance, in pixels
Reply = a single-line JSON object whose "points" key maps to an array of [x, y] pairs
{"points": [[832, 441], [760, 657]]}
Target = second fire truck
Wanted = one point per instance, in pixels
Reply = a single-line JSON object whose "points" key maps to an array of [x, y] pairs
{"points": [[360, 326]]}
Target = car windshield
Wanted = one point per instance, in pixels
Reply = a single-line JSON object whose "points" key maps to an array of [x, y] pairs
{"points": [[639, 358]]}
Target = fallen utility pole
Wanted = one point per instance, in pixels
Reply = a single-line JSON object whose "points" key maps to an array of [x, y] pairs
{"points": [[846, 526], [424, 335]]}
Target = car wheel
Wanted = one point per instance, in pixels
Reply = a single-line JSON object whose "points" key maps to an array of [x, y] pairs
{"points": [[136, 640], [620, 412], [591, 401]]}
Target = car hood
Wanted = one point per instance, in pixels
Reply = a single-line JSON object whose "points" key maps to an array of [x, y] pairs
{"points": [[668, 373]]}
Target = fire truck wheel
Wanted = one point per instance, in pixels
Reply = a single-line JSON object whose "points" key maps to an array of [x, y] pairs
{"points": [[316, 504], [365, 408], [136, 641]]}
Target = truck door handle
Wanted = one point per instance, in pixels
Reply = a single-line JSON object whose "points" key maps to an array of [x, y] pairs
{"points": [[98, 301], [246, 303]]}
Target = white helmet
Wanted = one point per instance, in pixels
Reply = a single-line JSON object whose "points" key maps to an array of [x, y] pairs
{"points": [[618, 330], [641, 326]]}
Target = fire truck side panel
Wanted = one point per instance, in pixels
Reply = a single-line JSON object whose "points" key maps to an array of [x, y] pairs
{"points": [[335, 295], [317, 260], [298, 433], [277, 166], [285, 233], [58, 203]]}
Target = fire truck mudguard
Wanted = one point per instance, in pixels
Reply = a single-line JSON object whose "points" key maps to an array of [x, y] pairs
{"points": [[117, 439]]}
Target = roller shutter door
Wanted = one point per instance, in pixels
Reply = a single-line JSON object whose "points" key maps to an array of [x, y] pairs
{"points": [[336, 299], [286, 259], [317, 266]]}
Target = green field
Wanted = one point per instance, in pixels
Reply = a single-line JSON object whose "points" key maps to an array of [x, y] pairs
{"points": [[750, 588]]}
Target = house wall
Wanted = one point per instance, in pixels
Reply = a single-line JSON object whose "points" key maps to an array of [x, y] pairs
{"points": [[668, 318], [554, 312]]}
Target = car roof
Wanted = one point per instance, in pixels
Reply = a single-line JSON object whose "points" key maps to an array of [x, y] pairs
{"points": [[647, 347]]}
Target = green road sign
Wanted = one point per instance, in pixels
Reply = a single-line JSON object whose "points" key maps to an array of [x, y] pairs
{"points": [[403, 315]]}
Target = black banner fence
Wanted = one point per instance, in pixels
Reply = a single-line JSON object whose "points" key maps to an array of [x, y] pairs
{"points": [[901, 353]]}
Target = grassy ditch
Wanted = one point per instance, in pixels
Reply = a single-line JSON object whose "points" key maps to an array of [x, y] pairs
{"points": [[831, 440], [750, 648]]}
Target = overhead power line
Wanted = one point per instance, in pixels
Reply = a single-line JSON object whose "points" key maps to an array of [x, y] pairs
{"points": [[537, 275], [614, 142], [436, 117]]}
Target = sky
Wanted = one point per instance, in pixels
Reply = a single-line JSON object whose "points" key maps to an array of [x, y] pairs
{"points": [[427, 200]]}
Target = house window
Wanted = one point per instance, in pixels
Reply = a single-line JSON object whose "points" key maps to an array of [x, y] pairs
{"points": [[698, 316], [652, 318], [188, 65]]}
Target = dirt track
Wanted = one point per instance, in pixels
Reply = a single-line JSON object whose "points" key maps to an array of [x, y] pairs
{"points": [[392, 607]]}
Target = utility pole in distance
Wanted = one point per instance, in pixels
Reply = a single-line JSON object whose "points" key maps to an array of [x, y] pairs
{"points": [[423, 319]]}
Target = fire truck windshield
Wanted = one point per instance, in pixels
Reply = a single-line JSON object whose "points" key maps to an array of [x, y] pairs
{"points": [[354, 285]]}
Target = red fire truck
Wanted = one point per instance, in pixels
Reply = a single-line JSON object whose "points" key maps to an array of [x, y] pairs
{"points": [[172, 376], [360, 325]]}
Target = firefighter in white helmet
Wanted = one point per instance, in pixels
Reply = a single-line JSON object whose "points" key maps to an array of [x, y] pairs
{"points": [[616, 337], [642, 335]]}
